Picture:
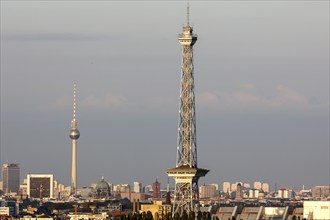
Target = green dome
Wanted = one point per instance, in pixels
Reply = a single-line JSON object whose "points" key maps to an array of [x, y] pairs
{"points": [[102, 186]]}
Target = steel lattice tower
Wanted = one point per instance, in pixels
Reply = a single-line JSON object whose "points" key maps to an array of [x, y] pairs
{"points": [[186, 173], [74, 135]]}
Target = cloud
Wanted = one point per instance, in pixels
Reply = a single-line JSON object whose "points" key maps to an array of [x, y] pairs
{"points": [[46, 37], [109, 100], [288, 95], [284, 96], [207, 98], [250, 86]]}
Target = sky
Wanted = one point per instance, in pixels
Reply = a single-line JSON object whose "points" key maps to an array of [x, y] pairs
{"points": [[261, 84]]}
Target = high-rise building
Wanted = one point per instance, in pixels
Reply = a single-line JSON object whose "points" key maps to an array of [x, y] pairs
{"points": [[226, 187], [40, 186], [239, 192], [247, 185], [10, 176], [234, 186], [74, 135], [265, 187], [257, 185], [207, 191], [186, 173], [136, 187], [320, 191], [156, 190]]}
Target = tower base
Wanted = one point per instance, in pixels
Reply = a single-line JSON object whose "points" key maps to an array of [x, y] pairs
{"points": [[186, 195]]}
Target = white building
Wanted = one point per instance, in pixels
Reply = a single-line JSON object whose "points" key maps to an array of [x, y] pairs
{"points": [[122, 188], [316, 210], [257, 185], [234, 186], [253, 193], [285, 193], [137, 187], [265, 187], [226, 187], [247, 185]]}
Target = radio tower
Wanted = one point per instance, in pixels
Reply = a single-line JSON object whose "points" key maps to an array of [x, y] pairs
{"points": [[74, 135], [186, 173]]}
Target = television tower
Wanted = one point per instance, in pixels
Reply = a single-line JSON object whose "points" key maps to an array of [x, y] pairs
{"points": [[186, 173], [74, 135]]}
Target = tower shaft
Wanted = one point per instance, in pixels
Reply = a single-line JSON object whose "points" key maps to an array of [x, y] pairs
{"points": [[187, 149], [74, 135], [74, 168], [186, 173]]}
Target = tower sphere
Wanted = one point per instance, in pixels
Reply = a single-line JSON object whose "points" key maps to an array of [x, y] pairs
{"points": [[74, 134]]}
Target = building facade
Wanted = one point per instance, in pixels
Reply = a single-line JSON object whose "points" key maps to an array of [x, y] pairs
{"points": [[40, 186], [11, 177]]}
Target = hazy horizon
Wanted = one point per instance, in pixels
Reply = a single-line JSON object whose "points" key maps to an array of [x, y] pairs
{"points": [[261, 79]]}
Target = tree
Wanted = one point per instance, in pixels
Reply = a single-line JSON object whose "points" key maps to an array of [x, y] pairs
{"points": [[156, 216], [191, 215], [168, 216], [149, 216], [176, 216], [184, 215], [215, 217], [199, 215]]}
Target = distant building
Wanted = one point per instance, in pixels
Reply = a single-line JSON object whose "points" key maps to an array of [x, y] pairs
{"points": [[147, 189], [320, 191], [158, 207], [10, 177], [234, 186], [207, 191], [40, 185], [156, 189], [8, 208], [122, 188], [239, 192], [136, 187], [285, 193], [226, 187], [86, 192], [133, 196], [265, 187], [253, 193], [216, 186], [257, 185], [102, 190]]}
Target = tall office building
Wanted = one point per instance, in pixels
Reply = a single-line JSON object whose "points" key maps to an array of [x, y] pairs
{"points": [[10, 177], [265, 187], [239, 192], [226, 187], [257, 185], [136, 187], [186, 173], [74, 135], [207, 191]]}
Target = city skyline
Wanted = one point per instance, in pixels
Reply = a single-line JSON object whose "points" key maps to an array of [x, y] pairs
{"points": [[262, 85]]}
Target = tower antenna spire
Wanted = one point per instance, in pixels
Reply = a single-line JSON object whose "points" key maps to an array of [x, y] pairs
{"points": [[187, 12], [74, 101]]}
